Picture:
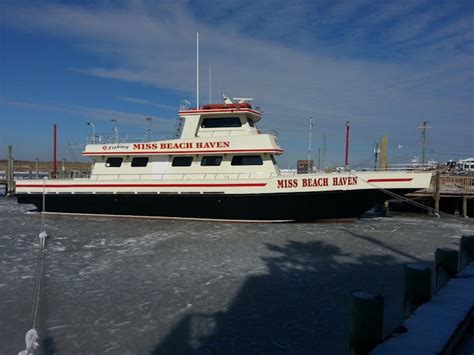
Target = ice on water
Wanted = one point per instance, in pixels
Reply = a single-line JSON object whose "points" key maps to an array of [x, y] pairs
{"points": [[137, 286]]}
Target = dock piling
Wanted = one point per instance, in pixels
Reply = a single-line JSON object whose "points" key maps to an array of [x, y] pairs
{"points": [[366, 324], [10, 173], [467, 250], [464, 206], [417, 286], [437, 195], [447, 265]]}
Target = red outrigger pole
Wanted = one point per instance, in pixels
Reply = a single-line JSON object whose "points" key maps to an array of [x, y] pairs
{"points": [[347, 144], [54, 152]]}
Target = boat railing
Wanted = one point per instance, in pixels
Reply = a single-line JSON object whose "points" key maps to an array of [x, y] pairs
{"points": [[226, 133], [181, 177], [147, 136]]}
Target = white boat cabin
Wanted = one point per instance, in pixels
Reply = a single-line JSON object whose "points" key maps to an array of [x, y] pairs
{"points": [[218, 141]]}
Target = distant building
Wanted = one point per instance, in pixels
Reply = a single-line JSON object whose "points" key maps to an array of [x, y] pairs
{"points": [[305, 166], [466, 165]]}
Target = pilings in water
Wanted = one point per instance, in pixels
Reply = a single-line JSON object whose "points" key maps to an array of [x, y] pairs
{"points": [[467, 250], [10, 179], [437, 195], [446, 265], [464, 206], [417, 281], [366, 328], [366, 323]]}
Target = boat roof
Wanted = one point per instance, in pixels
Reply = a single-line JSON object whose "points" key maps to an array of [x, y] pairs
{"points": [[225, 108]]}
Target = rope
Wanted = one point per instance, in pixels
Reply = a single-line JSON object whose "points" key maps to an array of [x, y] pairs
{"points": [[38, 283], [414, 203], [31, 336]]}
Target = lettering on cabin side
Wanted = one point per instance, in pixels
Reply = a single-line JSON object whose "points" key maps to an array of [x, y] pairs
{"points": [[138, 146], [316, 182], [115, 147], [181, 145], [206, 145]]}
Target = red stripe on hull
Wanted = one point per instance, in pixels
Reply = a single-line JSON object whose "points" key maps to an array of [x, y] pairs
{"points": [[147, 185], [391, 180]]}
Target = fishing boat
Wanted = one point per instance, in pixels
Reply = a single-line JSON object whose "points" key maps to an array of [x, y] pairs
{"points": [[221, 167]]}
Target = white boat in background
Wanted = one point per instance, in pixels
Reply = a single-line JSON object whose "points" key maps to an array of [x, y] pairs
{"points": [[221, 168]]}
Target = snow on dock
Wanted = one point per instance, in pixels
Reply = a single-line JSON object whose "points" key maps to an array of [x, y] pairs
{"points": [[430, 329]]}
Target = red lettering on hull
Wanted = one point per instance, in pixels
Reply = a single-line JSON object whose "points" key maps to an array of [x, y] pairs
{"points": [[287, 183], [315, 182], [345, 180]]}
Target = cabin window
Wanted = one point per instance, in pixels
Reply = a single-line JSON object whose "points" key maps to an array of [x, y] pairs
{"points": [[113, 162], [211, 160], [182, 161], [140, 162], [247, 160], [221, 122]]}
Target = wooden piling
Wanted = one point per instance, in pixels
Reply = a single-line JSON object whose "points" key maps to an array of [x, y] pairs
{"points": [[447, 265], [366, 323], [10, 172], [383, 153], [464, 206], [467, 250], [417, 286], [437, 195]]}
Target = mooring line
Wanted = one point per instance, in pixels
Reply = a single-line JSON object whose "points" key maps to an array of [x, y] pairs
{"points": [[414, 203], [31, 335]]}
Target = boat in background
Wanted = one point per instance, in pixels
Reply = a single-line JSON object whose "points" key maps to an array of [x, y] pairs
{"points": [[220, 168]]}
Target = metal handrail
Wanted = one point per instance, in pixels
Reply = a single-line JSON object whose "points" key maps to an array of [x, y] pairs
{"points": [[185, 176]]}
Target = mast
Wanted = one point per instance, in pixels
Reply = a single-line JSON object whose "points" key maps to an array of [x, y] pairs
{"points": [[309, 143], [210, 85], [323, 159], [376, 152], [347, 144], [424, 142], [54, 150], [197, 70]]}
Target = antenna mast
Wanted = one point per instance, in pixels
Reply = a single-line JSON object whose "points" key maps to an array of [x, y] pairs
{"points": [[323, 160], [197, 70], [210, 84], [424, 143], [346, 163], [309, 143]]}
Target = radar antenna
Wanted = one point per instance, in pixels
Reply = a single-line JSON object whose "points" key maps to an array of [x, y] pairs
{"points": [[227, 100], [184, 105], [243, 100]]}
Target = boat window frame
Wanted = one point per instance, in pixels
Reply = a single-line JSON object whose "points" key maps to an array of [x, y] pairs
{"points": [[140, 165], [241, 157], [173, 164], [109, 160], [231, 119], [218, 158]]}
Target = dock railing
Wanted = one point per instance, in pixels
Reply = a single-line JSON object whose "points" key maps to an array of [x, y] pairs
{"points": [[450, 185]]}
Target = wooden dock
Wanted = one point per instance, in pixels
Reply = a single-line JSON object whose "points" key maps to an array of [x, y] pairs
{"points": [[458, 189]]}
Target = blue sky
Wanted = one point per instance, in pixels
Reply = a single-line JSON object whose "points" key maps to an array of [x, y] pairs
{"points": [[384, 66]]}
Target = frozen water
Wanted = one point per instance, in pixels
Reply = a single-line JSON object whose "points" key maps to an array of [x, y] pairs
{"points": [[168, 287]]}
